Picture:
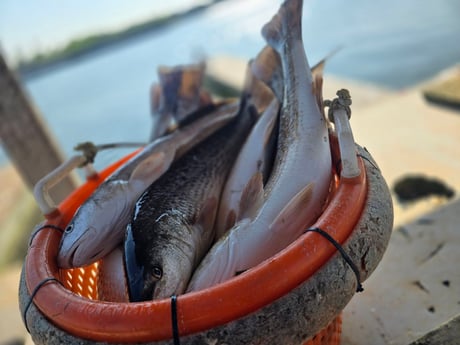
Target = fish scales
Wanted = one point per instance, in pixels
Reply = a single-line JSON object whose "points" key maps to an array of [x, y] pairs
{"points": [[174, 218]]}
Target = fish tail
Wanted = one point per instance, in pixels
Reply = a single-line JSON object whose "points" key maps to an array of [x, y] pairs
{"points": [[287, 23], [249, 78], [267, 68], [266, 63]]}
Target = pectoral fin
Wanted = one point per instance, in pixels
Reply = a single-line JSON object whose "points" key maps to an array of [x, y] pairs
{"points": [[296, 206], [252, 197], [207, 214], [150, 168]]}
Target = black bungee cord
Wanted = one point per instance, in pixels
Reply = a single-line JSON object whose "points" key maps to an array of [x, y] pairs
{"points": [[32, 296], [175, 326], [346, 257]]}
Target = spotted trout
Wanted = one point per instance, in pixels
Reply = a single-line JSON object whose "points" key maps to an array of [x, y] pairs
{"points": [[297, 189]]}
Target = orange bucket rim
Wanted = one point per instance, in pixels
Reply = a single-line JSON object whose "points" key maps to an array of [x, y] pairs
{"points": [[196, 311]]}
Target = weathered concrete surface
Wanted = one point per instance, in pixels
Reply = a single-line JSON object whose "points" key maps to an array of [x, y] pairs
{"points": [[416, 286], [446, 334]]}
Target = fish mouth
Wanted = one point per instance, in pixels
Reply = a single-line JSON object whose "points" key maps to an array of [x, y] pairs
{"points": [[66, 261], [97, 254], [74, 257]]}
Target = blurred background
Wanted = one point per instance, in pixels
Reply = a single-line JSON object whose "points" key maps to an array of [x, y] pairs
{"points": [[88, 67], [394, 45]]}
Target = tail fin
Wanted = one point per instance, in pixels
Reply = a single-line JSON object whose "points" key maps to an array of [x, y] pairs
{"points": [[287, 23], [258, 92], [267, 67]]}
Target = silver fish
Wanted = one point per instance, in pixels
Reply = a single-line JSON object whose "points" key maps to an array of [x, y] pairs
{"points": [[298, 186], [269, 71], [172, 226], [254, 162], [99, 224], [249, 174], [111, 281], [251, 168]]}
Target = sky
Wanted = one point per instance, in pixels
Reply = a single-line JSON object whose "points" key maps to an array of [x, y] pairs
{"points": [[29, 26]]}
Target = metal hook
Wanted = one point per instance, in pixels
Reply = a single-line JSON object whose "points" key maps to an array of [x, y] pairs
{"points": [[340, 113]]}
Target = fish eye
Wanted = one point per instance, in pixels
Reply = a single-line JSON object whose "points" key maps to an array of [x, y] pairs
{"points": [[157, 272], [69, 228]]}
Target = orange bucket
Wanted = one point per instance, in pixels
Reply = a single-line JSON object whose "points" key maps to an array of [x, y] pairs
{"points": [[295, 297]]}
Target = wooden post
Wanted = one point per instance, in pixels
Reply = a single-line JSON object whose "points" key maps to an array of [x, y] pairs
{"points": [[25, 137]]}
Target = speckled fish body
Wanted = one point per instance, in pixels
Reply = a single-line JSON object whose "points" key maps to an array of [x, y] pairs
{"points": [[172, 226], [298, 186], [99, 224]]}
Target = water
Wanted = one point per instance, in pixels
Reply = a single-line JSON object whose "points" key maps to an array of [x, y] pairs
{"points": [[105, 96]]}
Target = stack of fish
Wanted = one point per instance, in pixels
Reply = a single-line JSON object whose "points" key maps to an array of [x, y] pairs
{"points": [[222, 186]]}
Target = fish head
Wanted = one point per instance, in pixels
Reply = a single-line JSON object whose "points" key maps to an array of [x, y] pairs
{"points": [[95, 230], [167, 274]]}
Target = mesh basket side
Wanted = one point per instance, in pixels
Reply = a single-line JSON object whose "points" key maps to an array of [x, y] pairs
{"points": [[82, 280], [330, 335]]}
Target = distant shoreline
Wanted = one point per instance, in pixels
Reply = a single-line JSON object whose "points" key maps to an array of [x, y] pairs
{"points": [[82, 47]]}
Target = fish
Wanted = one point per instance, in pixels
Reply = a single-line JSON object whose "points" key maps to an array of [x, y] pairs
{"points": [[98, 225], [298, 186], [173, 223], [268, 70], [255, 159], [257, 91], [249, 172], [111, 279], [253, 164], [178, 94], [177, 101]]}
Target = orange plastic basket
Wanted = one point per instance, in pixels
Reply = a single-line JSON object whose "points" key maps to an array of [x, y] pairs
{"points": [[74, 306], [83, 281]]}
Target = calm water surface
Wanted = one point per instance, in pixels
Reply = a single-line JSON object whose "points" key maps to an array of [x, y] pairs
{"points": [[104, 97]]}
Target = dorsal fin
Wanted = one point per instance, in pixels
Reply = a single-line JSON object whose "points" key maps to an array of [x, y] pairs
{"points": [[150, 168]]}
